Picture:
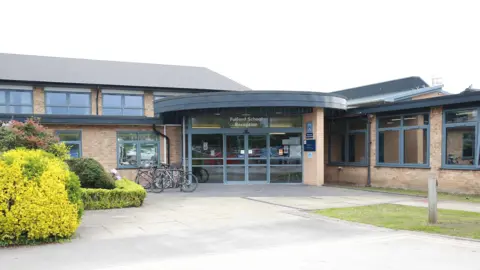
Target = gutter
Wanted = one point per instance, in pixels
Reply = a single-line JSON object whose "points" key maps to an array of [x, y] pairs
{"points": [[369, 145], [154, 127]]}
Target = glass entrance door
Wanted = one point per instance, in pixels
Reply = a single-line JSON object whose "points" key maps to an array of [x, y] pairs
{"points": [[246, 158], [257, 158], [235, 158]]}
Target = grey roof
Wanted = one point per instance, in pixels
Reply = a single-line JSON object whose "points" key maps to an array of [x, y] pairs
{"points": [[29, 68], [388, 87]]}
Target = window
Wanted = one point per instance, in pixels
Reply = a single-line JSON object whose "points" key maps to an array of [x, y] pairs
{"points": [[119, 104], [73, 139], [16, 101], [461, 136], [67, 103], [137, 148], [348, 142], [402, 140]]}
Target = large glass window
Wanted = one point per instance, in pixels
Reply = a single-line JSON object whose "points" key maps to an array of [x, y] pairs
{"points": [[16, 101], [121, 104], [348, 141], [402, 140], [73, 139], [461, 136], [137, 149], [67, 103], [285, 158]]}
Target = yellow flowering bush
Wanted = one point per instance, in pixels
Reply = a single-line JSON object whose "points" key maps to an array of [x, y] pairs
{"points": [[40, 199]]}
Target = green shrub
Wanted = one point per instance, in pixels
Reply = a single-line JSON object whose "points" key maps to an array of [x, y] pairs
{"points": [[91, 173], [39, 198], [126, 194]]}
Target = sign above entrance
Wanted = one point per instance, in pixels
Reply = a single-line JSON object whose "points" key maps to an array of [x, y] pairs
{"points": [[246, 122]]}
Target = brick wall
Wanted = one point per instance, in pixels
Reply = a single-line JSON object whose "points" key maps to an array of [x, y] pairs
{"points": [[148, 103], [38, 100]]}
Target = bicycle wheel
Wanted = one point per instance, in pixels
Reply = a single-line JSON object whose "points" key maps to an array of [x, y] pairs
{"points": [[158, 181], [144, 180], [189, 183], [202, 175]]}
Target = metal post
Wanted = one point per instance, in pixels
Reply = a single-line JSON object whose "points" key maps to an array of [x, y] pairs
{"points": [[432, 199], [165, 144], [183, 144]]}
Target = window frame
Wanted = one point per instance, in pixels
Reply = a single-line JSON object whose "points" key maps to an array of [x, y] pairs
{"points": [[346, 143], [68, 106], [445, 126], [8, 103], [122, 104], [138, 144], [79, 142], [401, 145]]}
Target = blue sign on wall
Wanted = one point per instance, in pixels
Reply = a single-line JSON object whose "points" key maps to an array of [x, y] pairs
{"points": [[309, 146], [309, 131]]}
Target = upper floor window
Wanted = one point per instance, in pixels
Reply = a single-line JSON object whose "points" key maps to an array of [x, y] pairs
{"points": [[67, 103], [16, 101], [460, 133], [122, 104], [348, 142], [403, 140]]}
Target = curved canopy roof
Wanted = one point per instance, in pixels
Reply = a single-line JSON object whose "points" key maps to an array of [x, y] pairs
{"points": [[250, 99]]}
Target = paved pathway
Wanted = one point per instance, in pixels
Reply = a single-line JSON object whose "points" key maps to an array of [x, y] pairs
{"points": [[243, 227]]}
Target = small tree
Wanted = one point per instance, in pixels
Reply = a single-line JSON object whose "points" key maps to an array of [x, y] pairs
{"points": [[30, 135]]}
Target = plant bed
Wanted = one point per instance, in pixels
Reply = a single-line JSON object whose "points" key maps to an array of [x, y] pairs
{"points": [[401, 217], [125, 194]]}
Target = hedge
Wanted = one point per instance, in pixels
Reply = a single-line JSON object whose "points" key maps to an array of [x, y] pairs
{"points": [[91, 173], [125, 194]]}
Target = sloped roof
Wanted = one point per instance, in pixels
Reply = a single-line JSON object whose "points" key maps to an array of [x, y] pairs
{"points": [[29, 68], [382, 88]]}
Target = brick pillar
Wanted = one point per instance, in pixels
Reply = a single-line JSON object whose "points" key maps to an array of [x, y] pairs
{"points": [[436, 139], [38, 100], [148, 103], [314, 167]]}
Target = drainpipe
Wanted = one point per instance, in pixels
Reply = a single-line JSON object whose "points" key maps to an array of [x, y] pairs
{"points": [[369, 150], [154, 127], [96, 99]]}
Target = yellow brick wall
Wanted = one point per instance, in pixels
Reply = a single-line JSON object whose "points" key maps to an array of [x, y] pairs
{"points": [[38, 100], [148, 103]]}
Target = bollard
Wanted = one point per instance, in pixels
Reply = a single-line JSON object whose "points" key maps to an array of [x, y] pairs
{"points": [[432, 199]]}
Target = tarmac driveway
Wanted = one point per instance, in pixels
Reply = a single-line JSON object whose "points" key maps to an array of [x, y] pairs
{"points": [[243, 227]]}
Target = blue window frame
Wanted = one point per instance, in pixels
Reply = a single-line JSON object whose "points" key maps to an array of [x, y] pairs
{"points": [[403, 140], [136, 149], [16, 101], [73, 103], [122, 104], [460, 139], [347, 143], [73, 139]]}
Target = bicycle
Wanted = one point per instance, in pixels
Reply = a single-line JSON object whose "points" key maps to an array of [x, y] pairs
{"points": [[202, 174], [146, 177], [169, 177]]}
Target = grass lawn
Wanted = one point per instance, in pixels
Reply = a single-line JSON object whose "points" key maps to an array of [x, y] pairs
{"points": [[441, 195], [400, 217]]}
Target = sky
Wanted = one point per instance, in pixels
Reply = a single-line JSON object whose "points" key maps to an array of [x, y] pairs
{"points": [[265, 45]]}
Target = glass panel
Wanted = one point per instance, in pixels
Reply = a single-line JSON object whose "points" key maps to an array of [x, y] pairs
{"points": [[133, 112], [148, 154], [415, 146], [57, 110], [257, 173], [127, 136], [80, 100], [127, 155], [3, 109], [3, 97], [147, 137], [74, 150], [257, 161], [207, 146], [56, 99], [69, 136], [235, 173], [285, 161], [337, 148], [235, 146], [286, 145], [357, 151], [20, 98], [285, 174], [388, 146], [389, 122], [235, 161], [79, 111], [337, 126], [208, 174], [461, 116], [460, 145], [159, 97], [133, 102], [289, 121], [111, 111], [207, 162], [357, 124], [415, 120], [112, 101], [21, 109], [209, 122], [257, 146]]}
